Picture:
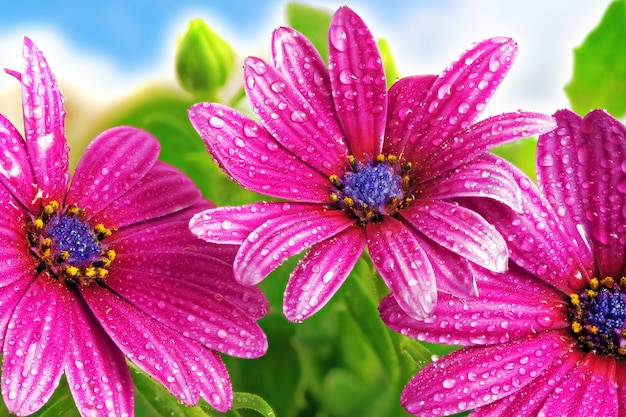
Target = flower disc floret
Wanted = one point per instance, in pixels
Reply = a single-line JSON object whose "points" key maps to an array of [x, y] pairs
{"points": [[598, 313]]}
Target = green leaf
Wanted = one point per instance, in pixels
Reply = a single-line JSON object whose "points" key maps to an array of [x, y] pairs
{"points": [[391, 71], [599, 78], [520, 153], [243, 401], [312, 22]]}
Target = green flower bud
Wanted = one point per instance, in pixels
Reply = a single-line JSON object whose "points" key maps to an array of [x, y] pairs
{"points": [[204, 60]]}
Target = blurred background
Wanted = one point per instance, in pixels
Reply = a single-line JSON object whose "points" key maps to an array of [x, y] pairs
{"points": [[101, 51]]}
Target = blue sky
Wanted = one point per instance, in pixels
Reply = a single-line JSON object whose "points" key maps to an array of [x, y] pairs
{"points": [[108, 48]]}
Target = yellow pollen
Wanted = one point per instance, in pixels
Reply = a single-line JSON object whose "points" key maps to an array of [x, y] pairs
{"points": [[63, 256], [380, 158], [392, 159], [101, 231], [622, 282], [353, 163], [102, 273], [575, 299], [334, 197], [51, 208], [348, 201], [74, 211], [90, 272], [622, 350], [594, 283], [38, 224], [608, 282], [47, 243], [592, 293], [593, 329], [334, 179], [71, 270], [111, 255], [576, 327]]}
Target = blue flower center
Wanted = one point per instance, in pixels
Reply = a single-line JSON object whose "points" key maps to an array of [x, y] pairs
{"points": [[372, 190], [67, 246], [598, 316], [71, 234]]}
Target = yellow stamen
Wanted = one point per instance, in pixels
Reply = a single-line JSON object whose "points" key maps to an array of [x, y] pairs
{"points": [[334, 197], [576, 327], [380, 158], [71, 270], [90, 272], [594, 283], [575, 299], [392, 159], [38, 224], [334, 179], [348, 201]]}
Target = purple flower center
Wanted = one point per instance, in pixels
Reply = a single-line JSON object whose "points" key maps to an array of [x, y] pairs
{"points": [[371, 191], [67, 246], [71, 234], [598, 316]]}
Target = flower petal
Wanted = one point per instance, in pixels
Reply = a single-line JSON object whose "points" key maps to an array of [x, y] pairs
{"points": [[358, 81], [318, 276], [404, 266], [233, 224], [476, 376], [459, 95], [279, 238], [96, 370], [187, 369], [43, 123], [290, 119], [254, 158], [35, 346], [510, 306], [15, 172], [459, 230], [406, 102], [487, 176], [201, 314], [465, 146], [620, 375], [527, 401], [587, 152], [111, 165], [162, 191], [589, 390], [534, 230]]}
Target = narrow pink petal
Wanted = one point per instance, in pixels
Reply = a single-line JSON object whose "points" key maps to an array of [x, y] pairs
{"points": [[187, 369], [406, 104], [10, 296], [289, 118], [35, 346], [321, 272], [476, 376], [404, 266], [558, 168], [510, 306], [459, 95], [15, 172], [43, 123], [279, 238], [358, 82], [201, 314], [254, 158], [588, 391], [96, 370], [487, 176], [459, 230], [528, 401], [162, 191], [233, 224], [465, 146], [111, 165], [620, 382], [299, 62], [536, 229]]}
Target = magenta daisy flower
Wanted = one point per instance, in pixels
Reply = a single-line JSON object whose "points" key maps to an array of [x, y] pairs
{"points": [[548, 337], [104, 268], [360, 167]]}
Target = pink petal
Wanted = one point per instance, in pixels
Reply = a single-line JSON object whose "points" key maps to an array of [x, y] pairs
{"points": [[35, 346], [358, 82], [254, 158], [476, 376], [527, 401], [111, 165], [620, 376], [96, 370], [487, 176], [187, 369], [233, 224], [299, 62], [43, 123], [162, 191], [588, 391], [290, 119], [15, 171], [601, 154], [465, 146], [321, 272], [201, 314], [537, 230], [404, 266], [17, 261], [279, 238], [10, 296], [510, 306], [459, 230], [459, 95], [406, 104]]}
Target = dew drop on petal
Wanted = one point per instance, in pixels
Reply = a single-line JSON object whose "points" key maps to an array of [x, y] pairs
{"points": [[216, 122], [338, 38], [449, 383]]}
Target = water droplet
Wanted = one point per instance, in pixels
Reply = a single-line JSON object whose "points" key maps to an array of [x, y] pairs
{"points": [[298, 116], [338, 38], [221, 333], [494, 63], [449, 383], [464, 108], [278, 86], [216, 122]]}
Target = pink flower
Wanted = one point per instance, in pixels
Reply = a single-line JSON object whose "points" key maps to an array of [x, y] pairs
{"points": [[104, 268], [362, 167], [547, 338]]}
